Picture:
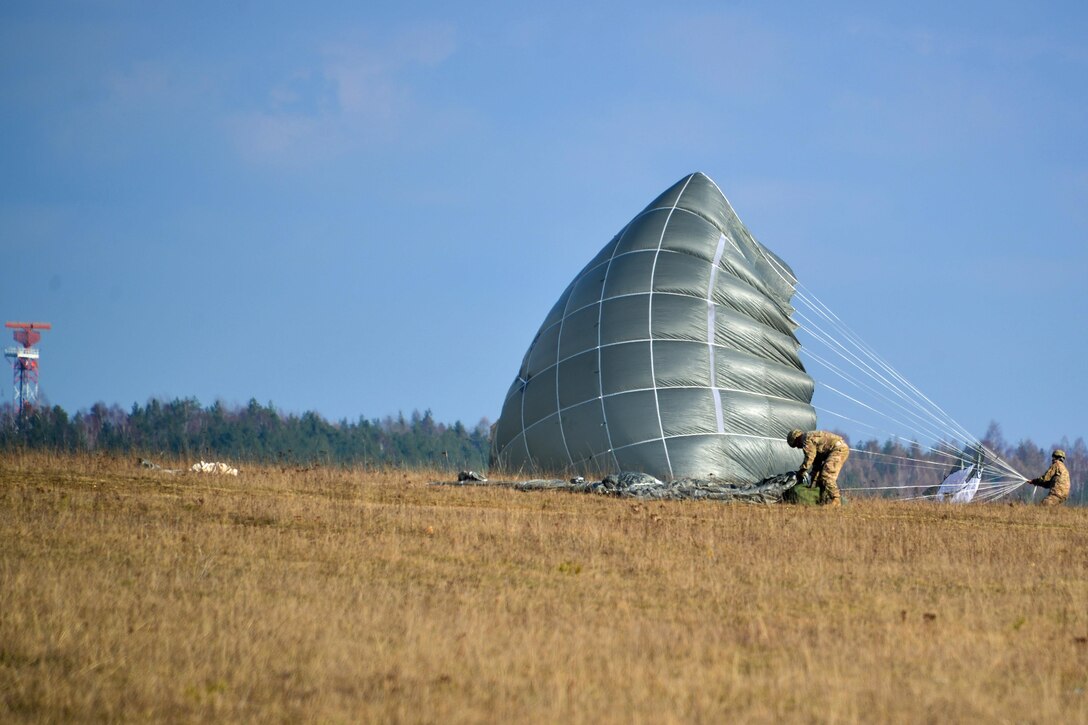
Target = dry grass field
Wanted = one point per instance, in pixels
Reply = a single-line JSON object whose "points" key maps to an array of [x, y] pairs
{"points": [[129, 594]]}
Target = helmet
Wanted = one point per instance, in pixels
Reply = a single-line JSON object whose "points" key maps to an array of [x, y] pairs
{"points": [[794, 435], [1059, 454]]}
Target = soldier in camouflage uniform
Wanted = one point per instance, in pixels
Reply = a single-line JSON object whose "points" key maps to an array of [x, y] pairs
{"points": [[1056, 479], [825, 454]]}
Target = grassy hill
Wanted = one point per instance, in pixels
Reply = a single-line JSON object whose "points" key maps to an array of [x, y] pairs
{"points": [[344, 596]]}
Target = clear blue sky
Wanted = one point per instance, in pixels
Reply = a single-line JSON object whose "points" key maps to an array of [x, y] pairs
{"points": [[365, 208]]}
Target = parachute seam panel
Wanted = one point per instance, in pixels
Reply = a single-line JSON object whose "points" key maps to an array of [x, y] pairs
{"points": [[664, 438], [685, 252], [696, 435], [683, 339], [576, 310], [650, 319], [558, 404], [670, 387], [711, 329], [762, 360], [762, 251], [600, 367], [524, 438]]}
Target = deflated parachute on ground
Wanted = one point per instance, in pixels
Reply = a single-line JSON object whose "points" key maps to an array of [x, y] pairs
{"points": [[671, 353]]}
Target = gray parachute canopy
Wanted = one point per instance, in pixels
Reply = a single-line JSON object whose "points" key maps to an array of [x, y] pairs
{"points": [[672, 353]]}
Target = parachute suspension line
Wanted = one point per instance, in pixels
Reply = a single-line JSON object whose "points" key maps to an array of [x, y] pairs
{"points": [[984, 492], [1007, 481], [650, 321], [877, 393], [949, 426], [998, 492], [865, 368], [907, 461], [952, 452], [944, 422], [857, 362], [1002, 471], [912, 486], [918, 424], [813, 328], [838, 325], [861, 385], [857, 341], [940, 415], [951, 455], [863, 424], [869, 407], [940, 447], [922, 409]]}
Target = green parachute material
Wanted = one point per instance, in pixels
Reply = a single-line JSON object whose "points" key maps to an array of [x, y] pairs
{"points": [[671, 353]]}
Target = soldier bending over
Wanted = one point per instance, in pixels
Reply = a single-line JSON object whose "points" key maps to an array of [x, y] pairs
{"points": [[825, 454]]}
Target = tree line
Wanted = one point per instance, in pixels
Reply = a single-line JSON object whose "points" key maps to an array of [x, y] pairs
{"points": [[257, 433]]}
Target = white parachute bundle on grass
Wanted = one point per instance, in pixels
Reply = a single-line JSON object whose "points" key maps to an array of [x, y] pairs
{"points": [[960, 486], [216, 467]]}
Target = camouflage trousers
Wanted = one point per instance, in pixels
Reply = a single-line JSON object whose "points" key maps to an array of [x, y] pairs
{"points": [[1054, 498], [827, 475]]}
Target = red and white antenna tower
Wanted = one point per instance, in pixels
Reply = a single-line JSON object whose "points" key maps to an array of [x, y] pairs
{"points": [[25, 361]]}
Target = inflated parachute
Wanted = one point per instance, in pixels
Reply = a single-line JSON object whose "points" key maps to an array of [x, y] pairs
{"points": [[671, 353]]}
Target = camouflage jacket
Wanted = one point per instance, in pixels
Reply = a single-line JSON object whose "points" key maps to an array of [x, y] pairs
{"points": [[1056, 479], [818, 444]]}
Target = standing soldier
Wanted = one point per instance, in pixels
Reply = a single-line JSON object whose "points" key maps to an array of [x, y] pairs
{"points": [[825, 454], [1056, 479]]}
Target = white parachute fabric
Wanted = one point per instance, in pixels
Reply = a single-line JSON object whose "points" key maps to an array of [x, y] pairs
{"points": [[671, 353], [960, 486], [214, 467]]}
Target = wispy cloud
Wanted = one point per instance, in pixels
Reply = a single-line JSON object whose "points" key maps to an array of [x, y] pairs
{"points": [[361, 93]]}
